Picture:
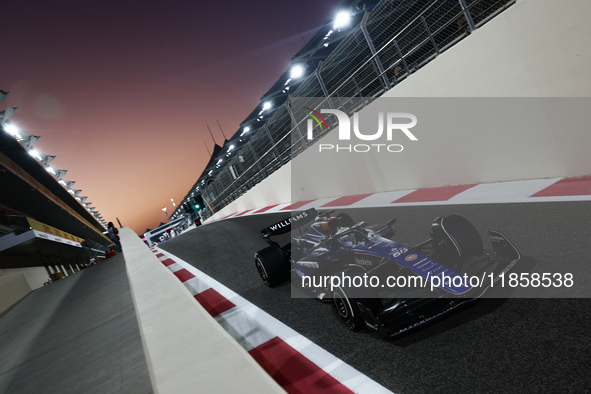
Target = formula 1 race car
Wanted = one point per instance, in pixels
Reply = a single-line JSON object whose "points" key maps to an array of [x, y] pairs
{"points": [[378, 283]]}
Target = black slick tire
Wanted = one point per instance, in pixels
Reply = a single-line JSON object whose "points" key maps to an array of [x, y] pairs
{"points": [[271, 266]]}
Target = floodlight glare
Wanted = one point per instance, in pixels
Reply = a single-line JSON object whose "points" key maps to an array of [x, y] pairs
{"points": [[297, 71], [50, 170], [11, 129], [35, 154], [266, 106], [342, 19]]}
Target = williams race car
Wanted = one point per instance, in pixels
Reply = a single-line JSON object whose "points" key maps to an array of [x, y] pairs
{"points": [[375, 282]]}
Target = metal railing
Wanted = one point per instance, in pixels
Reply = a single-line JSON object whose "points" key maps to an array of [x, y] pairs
{"points": [[394, 40]]}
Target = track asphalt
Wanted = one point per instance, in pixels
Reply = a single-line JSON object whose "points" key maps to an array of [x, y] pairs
{"points": [[515, 345], [80, 334]]}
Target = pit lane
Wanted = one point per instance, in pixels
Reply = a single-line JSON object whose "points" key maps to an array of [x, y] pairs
{"points": [[496, 345]]}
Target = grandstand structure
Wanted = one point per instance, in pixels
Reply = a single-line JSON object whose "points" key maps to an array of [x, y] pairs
{"points": [[46, 228], [381, 45]]}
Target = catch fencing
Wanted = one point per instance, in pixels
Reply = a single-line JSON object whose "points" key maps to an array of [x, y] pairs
{"points": [[392, 42]]}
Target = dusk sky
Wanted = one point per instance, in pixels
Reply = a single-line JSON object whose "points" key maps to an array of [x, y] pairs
{"points": [[120, 91]]}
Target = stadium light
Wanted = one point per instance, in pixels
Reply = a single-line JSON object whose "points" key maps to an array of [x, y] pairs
{"points": [[35, 154], [342, 19], [297, 71], [11, 129], [266, 106]]}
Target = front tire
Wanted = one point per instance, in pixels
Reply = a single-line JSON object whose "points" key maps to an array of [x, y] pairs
{"points": [[271, 266], [457, 234], [347, 310], [464, 234]]}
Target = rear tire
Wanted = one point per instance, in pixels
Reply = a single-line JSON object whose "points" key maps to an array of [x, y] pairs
{"points": [[271, 265]]}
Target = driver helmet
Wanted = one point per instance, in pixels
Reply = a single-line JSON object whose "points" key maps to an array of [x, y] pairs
{"points": [[327, 227]]}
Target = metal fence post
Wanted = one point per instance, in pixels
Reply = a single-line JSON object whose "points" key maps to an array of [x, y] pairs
{"points": [[322, 85], [296, 128], [401, 58], [468, 16], [377, 61], [273, 145], [429, 33], [256, 158], [207, 199]]}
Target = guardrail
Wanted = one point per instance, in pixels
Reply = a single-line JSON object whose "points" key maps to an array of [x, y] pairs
{"points": [[393, 41]]}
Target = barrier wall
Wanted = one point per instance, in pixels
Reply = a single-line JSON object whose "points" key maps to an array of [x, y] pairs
{"points": [[275, 189], [35, 276], [187, 351], [12, 289], [536, 48]]}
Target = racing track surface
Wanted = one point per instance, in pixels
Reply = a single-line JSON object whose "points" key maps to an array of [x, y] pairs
{"points": [[495, 345]]}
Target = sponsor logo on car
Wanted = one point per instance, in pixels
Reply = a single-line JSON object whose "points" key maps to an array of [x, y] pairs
{"points": [[411, 257], [362, 261], [287, 222], [308, 264], [398, 251]]}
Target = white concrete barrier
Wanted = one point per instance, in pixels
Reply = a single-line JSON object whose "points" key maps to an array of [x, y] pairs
{"points": [[275, 189], [12, 289], [35, 276], [187, 351]]}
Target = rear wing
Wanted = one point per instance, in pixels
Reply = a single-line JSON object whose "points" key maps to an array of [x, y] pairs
{"points": [[285, 226]]}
